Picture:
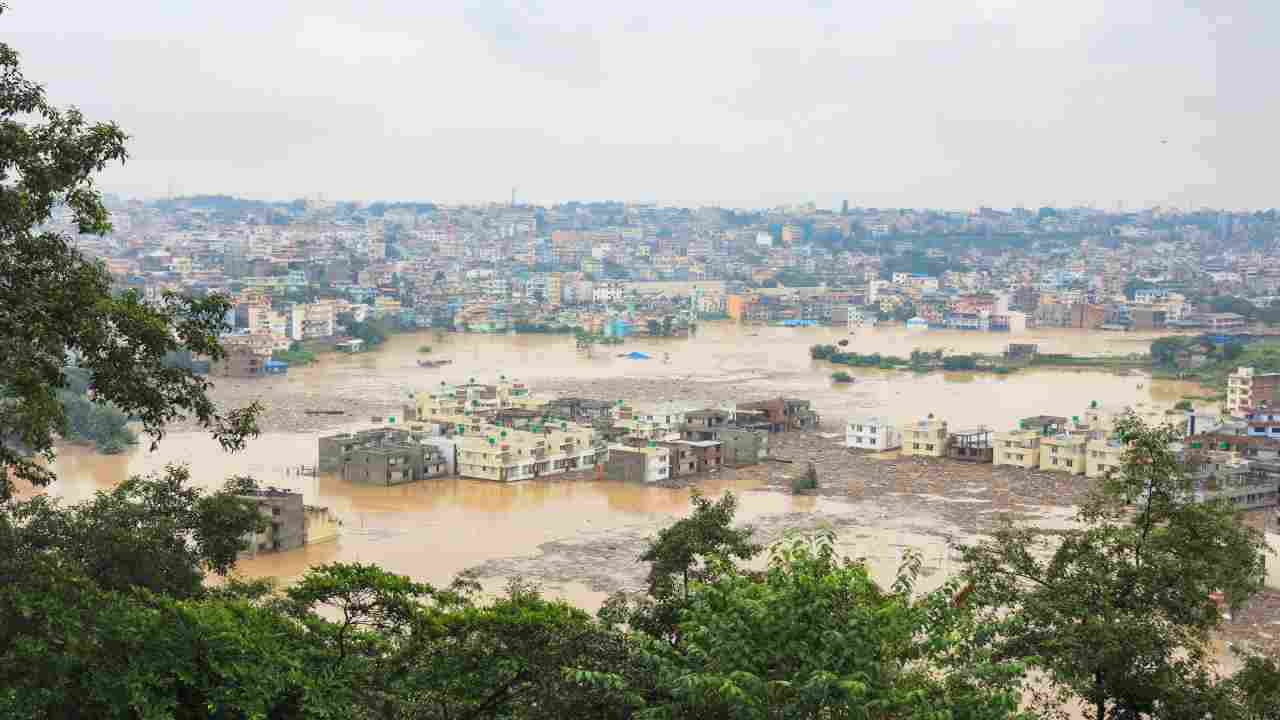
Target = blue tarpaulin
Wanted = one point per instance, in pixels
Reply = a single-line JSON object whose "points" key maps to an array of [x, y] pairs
{"points": [[633, 355]]}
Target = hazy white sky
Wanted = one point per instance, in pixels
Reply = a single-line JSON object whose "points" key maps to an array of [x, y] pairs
{"points": [[940, 103]]}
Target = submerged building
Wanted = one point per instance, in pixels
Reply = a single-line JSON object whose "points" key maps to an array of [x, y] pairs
{"points": [[289, 523]]}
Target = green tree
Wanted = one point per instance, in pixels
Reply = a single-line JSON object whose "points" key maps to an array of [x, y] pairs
{"points": [[687, 551], [154, 532], [1118, 611], [85, 652], [959, 362], [680, 553], [1165, 351], [814, 637], [101, 424], [1239, 306], [391, 647], [520, 656], [1256, 689], [56, 304], [372, 332]]}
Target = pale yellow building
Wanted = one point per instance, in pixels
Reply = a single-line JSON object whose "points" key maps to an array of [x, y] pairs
{"points": [[1017, 448], [1101, 420], [926, 438], [490, 452], [475, 398], [1064, 453], [1102, 457]]}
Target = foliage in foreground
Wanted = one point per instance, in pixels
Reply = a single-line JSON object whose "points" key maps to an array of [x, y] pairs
{"points": [[1118, 611], [56, 305], [105, 612]]}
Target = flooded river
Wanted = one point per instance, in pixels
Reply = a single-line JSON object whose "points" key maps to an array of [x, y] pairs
{"points": [[576, 536]]}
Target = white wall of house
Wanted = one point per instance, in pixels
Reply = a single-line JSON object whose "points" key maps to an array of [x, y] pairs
{"points": [[871, 433]]}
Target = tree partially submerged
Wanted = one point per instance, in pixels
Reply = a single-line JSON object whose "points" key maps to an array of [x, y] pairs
{"points": [[55, 304]]}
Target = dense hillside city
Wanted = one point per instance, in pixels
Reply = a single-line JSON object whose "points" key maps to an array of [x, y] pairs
{"points": [[308, 269]]}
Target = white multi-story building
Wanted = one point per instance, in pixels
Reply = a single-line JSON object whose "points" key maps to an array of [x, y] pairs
{"points": [[1247, 389], [320, 320], [861, 318], [608, 292], [667, 415], [648, 464], [295, 318], [871, 433]]}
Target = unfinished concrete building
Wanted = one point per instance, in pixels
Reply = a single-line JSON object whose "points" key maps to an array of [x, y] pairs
{"points": [[386, 456], [285, 515], [970, 445]]}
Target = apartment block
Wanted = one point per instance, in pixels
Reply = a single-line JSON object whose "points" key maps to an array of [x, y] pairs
{"points": [[707, 455], [245, 356], [1264, 423], [578, 409], [688, 457], [319, 320], [474, 398], [925, 438], [871, 433], [1102, 456], [490, 452], [392, 464], [386, 456], [1248, 389], [970, 445], [1064, 453], [739, 446], [285, 517], [784, 413], [1224, 475], [1017, 448], [704, 421], [646, 464]]}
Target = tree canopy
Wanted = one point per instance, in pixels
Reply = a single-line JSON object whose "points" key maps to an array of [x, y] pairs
{"points": [[1118, 611], [56, 305]]}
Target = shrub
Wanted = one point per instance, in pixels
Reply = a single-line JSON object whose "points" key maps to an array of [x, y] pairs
{"points": [[806, 481]]}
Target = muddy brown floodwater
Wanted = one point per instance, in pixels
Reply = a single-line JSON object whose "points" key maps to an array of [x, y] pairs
{"points": [[580, 538]]}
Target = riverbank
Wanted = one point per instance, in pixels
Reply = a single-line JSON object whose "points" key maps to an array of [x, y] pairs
{"points": [[924, 362]]}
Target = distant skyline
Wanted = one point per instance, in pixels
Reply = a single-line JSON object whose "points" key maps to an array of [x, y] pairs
{"points": [[934, 103]]}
